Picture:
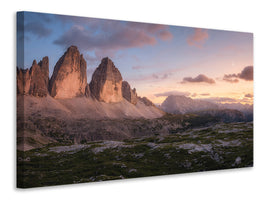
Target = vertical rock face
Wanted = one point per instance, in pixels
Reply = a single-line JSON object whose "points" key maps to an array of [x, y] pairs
{"points": [[39, 78], [87, 91], [129, 94], [44, 64], [106, 82], [69, 78], [23, 81], [34, 81]]}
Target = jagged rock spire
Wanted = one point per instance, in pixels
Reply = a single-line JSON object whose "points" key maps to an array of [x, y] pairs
{"points": [[106, 82], [69, 78]]}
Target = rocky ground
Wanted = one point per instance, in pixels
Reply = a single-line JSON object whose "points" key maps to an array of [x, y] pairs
{"points": [[194, 149]]}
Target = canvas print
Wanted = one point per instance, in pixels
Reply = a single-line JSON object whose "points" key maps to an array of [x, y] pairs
{"points": [[101, 99]]}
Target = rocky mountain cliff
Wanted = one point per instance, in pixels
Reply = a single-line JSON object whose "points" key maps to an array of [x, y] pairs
{"points": [[69, 78], [128, 93], [146, 101], [34, 81], [23, 81], [107, 95], [106, 83]]}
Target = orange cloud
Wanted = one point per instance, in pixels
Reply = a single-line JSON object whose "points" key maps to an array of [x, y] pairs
{"points": [[165, 35], [198, 38], [249, 95]]}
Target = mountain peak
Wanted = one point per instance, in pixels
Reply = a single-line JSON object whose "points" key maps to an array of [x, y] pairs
{"points": [[107, 64], [179, 104], [106, 59], [34, 81], [34, 62], [69, 78], [72, 48], [106, 82]]}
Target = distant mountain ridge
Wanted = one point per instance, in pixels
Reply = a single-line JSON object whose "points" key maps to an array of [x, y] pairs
{"points": [[179, 104]]}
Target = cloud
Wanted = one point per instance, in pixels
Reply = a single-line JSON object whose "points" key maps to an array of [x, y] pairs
{"points": [[175, 93], [202, 94], [119, 39], [90, 72], [200, 78], [221, 100], [33, 24], [100, 35], [46, 18], [164, 76], [249, 95], [38, 29], [205, 94], [247, 100], [150, 28], [165, 35], [245, 74], [91, 59], [198, 38], [231, 78], [155, 76], [20, 29], [137, 67], [194, 95], [227, 100]]}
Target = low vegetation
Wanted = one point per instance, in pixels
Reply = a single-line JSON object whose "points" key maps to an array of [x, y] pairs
{"points": [[184, 149]]}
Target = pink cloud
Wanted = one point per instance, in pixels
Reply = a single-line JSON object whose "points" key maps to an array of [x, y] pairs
{"points": [[150, 28], [205, 94], [99, 35], [115, 40], [246, 74], [221, 99], [200, 78], [138, 67], [231, 78], [165, 35], [198, 38], [174, 93]]}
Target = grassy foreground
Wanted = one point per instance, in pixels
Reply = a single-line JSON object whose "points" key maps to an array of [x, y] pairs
{"points": [[222, 146]]}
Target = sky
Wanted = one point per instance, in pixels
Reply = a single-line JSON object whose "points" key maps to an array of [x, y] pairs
{"points": [[158, 60]]}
